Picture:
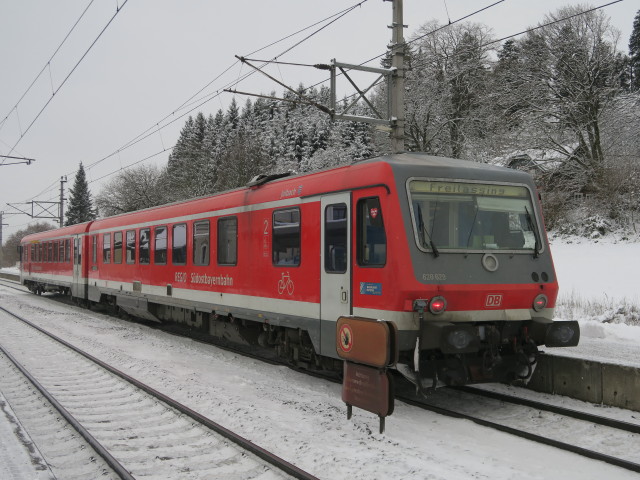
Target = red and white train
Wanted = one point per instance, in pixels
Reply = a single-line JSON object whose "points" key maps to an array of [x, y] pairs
{"points": [[453, 252]]}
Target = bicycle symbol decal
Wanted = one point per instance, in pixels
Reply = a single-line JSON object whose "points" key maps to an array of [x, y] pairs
{"points": [[285, 283]]}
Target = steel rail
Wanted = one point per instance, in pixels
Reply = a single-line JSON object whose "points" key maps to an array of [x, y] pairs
{"points": [[619, 462], [117, 467], [503, 428], [244, 443], [567, 412]]}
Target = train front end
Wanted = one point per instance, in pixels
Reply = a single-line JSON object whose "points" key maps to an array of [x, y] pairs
{"points": [[486, 283]]}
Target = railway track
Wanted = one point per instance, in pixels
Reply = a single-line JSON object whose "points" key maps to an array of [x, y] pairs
{"points": [[54, 438], [545, 423], [139, 432]]}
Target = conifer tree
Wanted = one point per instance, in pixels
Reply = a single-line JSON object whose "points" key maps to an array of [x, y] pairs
{"points": [[80, 203], [634, 53]]}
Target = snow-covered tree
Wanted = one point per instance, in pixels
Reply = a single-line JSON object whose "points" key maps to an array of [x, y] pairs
{"points": [[133, 189], [445, 98], [10, 248], [634, 53], [80, 204]]}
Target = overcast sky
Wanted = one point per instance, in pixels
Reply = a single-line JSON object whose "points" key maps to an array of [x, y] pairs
{"points": [[156, 54]]}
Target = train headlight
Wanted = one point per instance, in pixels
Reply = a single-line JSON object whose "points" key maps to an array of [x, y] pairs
{"points": [[540, 302], [562, 334], [459, 339], [437, 305]]}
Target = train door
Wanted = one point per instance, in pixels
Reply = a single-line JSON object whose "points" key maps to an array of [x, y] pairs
{"points": [[77, 288], [335, 268]]}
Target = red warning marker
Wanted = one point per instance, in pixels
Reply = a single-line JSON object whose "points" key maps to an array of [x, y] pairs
{"points": [[346, 338]]}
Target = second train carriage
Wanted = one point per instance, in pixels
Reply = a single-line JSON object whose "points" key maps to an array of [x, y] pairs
{"points": [[453, 252]]}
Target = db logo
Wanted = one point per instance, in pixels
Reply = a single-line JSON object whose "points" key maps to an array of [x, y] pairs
{"points": [[493, 301]]}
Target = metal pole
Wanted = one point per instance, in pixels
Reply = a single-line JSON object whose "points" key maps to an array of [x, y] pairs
{"points": [[397, 87], [63, 180], [1, 247]]}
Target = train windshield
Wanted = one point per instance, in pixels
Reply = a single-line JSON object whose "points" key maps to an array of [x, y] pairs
{"points": [[473, 216]]}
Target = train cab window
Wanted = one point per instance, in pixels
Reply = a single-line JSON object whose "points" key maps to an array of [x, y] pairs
{"points": [[106, 248], [286, 237], [335, 238], [67, 250], [131, 246], [179, 244], [144, 245], [228, 241], [465, 216], [160, 246], [94, 249], [201, 243], [117, 247], [371, 236]]}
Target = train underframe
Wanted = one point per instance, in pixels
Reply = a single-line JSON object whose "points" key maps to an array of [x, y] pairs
{"points": [[474, 353]]}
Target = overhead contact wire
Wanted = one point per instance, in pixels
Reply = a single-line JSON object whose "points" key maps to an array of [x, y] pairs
{"points": [[69, 75]]}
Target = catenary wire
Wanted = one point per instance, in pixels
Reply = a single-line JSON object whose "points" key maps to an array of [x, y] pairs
{"points": [[217, 93], [203, 100], [47, 64], [119, 9]]}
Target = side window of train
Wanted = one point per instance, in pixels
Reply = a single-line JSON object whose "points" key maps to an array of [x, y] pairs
{"points": [[131, 246], [228, 241], [371, 236], [144, 246], [55, 250], [117, 247], [179, 244], [285, 235], [335, 238], [61, 251], [94, 249], [160, 246], [67, 248], [78, 251], [201, 242], [106, 248]]}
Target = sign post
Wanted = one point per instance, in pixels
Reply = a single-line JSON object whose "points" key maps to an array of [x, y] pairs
{"points": [[368, 347]]}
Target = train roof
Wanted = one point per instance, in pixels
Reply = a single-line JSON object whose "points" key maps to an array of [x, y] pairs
{"points": [[424, 165], [57, 233], [383, 170]]}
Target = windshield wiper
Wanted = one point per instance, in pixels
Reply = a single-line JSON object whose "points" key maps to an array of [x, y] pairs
{"points": [[425, 234], [473, 222], [535, 233]]}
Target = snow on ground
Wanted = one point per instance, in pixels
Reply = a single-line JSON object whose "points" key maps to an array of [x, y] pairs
{"points": [[21, 460], [600, 287], [304, 420], [10, 270], [301, 418]]}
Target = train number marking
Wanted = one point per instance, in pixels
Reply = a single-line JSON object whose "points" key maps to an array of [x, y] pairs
{"points": [[493, 300], [441, 277], [180, 277], [346, 338]]}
